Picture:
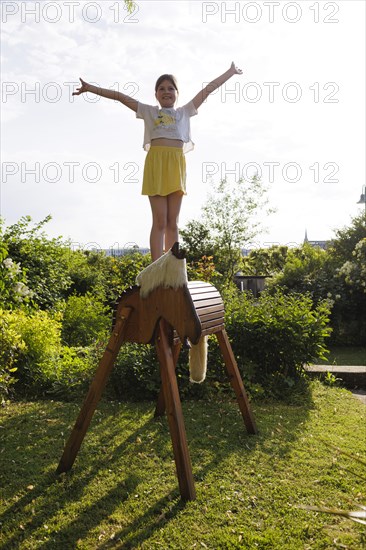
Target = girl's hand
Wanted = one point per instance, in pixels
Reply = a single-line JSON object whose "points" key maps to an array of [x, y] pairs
{"points": [[235, 70], [83, 88]]}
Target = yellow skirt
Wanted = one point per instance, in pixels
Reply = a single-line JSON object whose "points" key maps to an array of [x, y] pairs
{"points": [[165, 171]]}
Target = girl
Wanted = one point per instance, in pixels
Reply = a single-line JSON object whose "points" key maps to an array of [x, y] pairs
{"points": [[167, 138]]}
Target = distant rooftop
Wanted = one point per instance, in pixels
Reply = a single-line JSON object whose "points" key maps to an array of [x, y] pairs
{"points": [[131, 247], [117, 252]]}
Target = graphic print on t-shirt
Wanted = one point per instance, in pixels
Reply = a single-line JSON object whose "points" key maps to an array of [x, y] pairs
{"points": [[164, 119]]}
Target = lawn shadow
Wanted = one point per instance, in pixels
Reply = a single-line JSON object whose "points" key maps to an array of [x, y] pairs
{"points": [[220, 427], [216, 427], [232, 439], [45, 493], [77, 529], [144, 526]]}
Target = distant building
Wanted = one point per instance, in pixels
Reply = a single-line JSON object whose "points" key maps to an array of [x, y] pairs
{"points": [[253, 283], [118, 252], [316, 244]]}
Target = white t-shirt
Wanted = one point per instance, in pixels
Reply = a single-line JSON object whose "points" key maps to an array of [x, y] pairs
{"points": [[167, 123]]}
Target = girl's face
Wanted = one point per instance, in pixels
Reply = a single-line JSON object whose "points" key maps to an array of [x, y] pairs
{"points": [[166, 94]]}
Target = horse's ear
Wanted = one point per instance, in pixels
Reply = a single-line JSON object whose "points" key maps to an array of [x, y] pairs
{"points": [[178, 253]]}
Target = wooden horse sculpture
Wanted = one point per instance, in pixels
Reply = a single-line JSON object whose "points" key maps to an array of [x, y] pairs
{"points": [[167, 317]]}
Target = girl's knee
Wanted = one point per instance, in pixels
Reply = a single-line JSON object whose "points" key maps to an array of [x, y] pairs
{"points": [[172, 220], [159, 223], [172, 224]]}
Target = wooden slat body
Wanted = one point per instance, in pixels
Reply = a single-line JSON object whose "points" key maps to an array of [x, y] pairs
{"points": [[209, 306]]}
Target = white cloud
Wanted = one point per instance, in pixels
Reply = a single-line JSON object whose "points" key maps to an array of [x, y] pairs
{"points": [[172, 37]]}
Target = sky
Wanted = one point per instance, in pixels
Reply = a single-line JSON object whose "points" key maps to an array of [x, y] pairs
{"points": [[296, 115]]}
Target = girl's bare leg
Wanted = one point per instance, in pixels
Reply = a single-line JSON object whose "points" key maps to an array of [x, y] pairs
{"points": [[171, 232], [164, 231], [159, 209]]}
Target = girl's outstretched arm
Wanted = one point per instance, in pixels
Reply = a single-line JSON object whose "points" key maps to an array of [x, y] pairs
{"points": [[212, 86], [110, 94]]}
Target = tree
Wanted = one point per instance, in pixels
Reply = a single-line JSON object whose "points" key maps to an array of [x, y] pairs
{"points": [[347, 270], [197, 240], [229, 216], [130, 5], [346, 239], [265, 261], [354, 271], [303, 271], [336, 274]]}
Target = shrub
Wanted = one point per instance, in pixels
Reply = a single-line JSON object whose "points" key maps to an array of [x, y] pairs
{"points": [[44, 260], [338, 273], [75, 370], [11, 346], [348, 316], [105, 277], [13, 287], [204, 270], [33, 361], [37, 363], [276, 335], [85, 320], [123, 272], [303, 271], [136, 373]]}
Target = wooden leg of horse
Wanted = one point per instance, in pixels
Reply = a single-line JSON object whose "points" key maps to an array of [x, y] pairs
{"points": [[236, 381], [174, 412], [94, 394], [160, 405]]}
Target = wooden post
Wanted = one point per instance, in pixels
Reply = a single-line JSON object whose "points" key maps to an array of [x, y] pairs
{"points": [[174, 412], [236, 381], [94, 394], [160, 405]]}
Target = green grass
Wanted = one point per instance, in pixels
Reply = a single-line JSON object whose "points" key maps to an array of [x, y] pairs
{"points": [[122, 491], [346, 356]]}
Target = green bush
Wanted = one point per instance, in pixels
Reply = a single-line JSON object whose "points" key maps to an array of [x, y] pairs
{"points": [[11, 346], [14, 291], [105, 277], [85, 320], [275, 336], [337, 274], [44, 260], [303, 271], [75, 370], [136, 373], [272, 338], [33, 362], [37, 363], [348, 315]]}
